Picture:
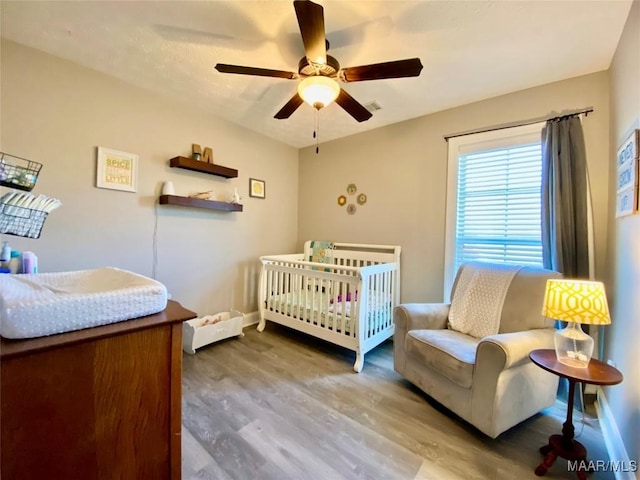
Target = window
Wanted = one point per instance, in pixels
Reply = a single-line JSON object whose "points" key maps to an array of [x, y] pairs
{"points": [[493, 199]]}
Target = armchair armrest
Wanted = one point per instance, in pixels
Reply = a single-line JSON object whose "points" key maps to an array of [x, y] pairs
{"points": [[507, 387], [415, 316], [512, 349]]}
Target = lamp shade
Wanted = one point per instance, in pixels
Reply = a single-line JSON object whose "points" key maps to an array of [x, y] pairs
{"points": [[318, 91], [577, 301]]}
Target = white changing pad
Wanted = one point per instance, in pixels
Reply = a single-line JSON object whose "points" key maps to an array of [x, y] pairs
{"points": [[35, 305]]}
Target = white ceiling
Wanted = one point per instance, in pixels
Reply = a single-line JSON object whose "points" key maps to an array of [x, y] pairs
{"points": [[471, 50]]}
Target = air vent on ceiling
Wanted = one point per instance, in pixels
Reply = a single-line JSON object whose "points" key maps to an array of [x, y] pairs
{"points": [[373, 106]]}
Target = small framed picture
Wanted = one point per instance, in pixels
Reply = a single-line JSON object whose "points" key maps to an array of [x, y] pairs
{"points": [[257, 188], [117, 170], [627, 191]]}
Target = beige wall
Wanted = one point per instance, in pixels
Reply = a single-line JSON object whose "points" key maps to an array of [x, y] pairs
{"points": [[57, 113], [622, 337], [403, 170]]}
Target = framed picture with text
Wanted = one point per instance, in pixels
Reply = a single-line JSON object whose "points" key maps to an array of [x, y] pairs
{"points": [[627, 171], [117, 170], [257, 188]]}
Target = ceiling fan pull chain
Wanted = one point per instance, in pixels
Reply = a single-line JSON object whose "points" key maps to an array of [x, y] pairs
{"points": [[316, 129], [315, 124]]}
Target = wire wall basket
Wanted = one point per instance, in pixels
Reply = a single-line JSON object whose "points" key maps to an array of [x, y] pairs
{"points": [[18, 173], [21, 221]]}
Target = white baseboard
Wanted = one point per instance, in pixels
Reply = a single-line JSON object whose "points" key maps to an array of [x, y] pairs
{"points": [[612, 439], [251, 318]]}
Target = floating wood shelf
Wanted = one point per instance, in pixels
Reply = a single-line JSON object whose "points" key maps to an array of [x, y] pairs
{"points": [[203, 167], [199, 203]]}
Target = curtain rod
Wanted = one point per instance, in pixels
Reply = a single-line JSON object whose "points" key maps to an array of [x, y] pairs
{"points": [[586, 111]]}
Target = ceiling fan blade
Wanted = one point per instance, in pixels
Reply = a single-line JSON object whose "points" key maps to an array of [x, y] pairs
{"points": [[352, 106], [311, 22], [261, 72], [410, 67], [289, 107]]}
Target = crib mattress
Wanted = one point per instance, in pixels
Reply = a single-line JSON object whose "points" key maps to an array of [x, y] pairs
{"points": [[36, 305], [310, 307]]}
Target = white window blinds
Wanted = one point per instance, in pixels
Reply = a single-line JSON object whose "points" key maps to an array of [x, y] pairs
{"points": [[498, 217], [496, 203]]}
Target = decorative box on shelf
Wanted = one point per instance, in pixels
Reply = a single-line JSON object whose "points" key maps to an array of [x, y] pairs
{"points": [[203, 331]]}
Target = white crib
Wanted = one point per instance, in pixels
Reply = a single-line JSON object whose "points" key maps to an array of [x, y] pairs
{"points": [[348, 302]]}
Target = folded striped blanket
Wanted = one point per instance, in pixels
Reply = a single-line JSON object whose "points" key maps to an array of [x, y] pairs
{"points": [[477, 302]]}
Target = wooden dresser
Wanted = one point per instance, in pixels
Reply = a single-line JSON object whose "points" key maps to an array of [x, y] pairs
{"points": [[99, 403]]}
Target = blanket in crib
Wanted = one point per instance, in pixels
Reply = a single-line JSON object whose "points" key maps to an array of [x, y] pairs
{"points": [[310, 307], [321, 252]]}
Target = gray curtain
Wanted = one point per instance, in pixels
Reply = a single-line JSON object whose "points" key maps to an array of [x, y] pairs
{"points": [[565, 237]]}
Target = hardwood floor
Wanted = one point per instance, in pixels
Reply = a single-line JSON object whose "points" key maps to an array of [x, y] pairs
{"points": [[282, 405]]}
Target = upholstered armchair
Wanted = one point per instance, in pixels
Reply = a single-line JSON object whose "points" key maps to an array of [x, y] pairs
{"points": [[472, 355]]}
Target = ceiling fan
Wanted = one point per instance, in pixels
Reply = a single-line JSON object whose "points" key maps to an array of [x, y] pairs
{"points": [[320, 72]]}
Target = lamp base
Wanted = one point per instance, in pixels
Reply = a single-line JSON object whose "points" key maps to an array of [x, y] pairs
{"points": [[573, 362], [573, 347]]}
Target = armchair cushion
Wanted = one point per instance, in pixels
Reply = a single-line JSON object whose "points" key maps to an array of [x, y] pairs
{"points": [[523, 305], [450, 353]]}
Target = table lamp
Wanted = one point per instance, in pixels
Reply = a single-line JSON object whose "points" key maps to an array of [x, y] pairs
{"points": [[575, 302]]}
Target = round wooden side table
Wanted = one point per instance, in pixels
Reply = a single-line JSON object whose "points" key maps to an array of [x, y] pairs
{"points": [[565, 446]]}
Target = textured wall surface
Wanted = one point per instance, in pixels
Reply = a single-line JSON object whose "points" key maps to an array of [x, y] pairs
{"points": [[403, 170], [623, 259], [57, 113]]}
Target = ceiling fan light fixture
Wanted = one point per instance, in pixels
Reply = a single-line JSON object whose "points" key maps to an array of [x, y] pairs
{"points": [[318, 91]]}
